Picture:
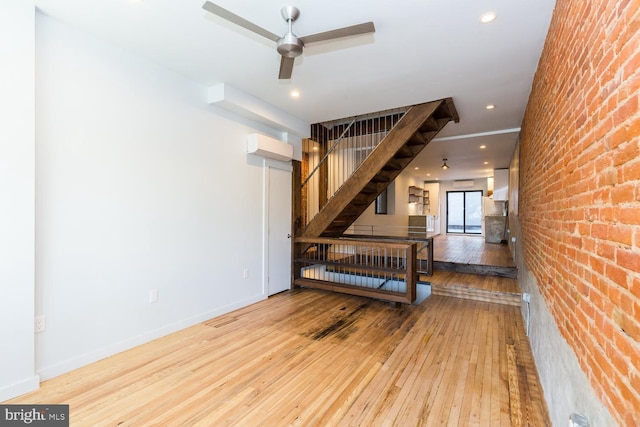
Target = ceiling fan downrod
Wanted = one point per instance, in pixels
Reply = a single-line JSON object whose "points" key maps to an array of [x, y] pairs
{"points": [[289, 45]]}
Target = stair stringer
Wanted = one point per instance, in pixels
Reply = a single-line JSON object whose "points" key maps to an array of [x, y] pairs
{"points": [[404, 142]]}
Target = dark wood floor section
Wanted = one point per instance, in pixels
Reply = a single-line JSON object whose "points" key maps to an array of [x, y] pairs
{"points": [[313, 358], [471, 250]]}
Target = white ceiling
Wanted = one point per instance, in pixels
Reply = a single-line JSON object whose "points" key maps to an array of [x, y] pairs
{"points": [[422, 50]]}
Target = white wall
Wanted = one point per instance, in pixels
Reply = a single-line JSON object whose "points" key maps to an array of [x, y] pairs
{"points": [[17, 47], [140, 185]]}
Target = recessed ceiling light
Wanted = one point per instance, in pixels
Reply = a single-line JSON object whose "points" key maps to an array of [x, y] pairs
{"points": [[490, 107], [485, 18], [428, 174], [483, 147], [416, 168], [295, 94], [486, 163]]}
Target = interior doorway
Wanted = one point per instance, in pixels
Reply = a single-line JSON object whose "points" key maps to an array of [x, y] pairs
{"points": [[464, 212], [278, 230]]}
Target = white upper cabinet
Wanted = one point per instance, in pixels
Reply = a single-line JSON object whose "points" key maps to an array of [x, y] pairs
{"points": [[500, 184]]}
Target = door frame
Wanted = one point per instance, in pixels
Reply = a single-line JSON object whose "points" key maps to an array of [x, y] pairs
{"points": [[268, 166]]}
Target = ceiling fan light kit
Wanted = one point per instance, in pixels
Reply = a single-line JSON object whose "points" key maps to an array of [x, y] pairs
{"points": [[289, 46]]}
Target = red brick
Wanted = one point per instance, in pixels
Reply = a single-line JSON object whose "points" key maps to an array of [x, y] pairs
{"points": [[625, 193], [626, 152], [606, 250], [620, 233], [634, 287], [617, 275], [628, 259], [600, 231], [631, 170]]}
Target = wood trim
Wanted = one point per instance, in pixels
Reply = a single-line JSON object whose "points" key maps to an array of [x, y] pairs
{"points": [[354, 290]]}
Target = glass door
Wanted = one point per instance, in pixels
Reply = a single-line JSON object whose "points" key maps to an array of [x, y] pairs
{"points": [[464, 212]]}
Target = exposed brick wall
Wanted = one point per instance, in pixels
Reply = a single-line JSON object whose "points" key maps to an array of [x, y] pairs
{"points": [[580, 191]]}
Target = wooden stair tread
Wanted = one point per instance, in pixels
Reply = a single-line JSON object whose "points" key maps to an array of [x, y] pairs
{"points": [[508, 298]]}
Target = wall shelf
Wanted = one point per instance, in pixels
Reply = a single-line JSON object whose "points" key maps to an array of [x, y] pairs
{"points": [[420, 197]]}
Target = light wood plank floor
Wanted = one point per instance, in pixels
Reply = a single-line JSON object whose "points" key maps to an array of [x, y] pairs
{"points": [[312, 358], [471, 250]]}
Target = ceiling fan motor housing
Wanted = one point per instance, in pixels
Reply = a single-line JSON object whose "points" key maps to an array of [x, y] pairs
{"points": [[290, 46]]}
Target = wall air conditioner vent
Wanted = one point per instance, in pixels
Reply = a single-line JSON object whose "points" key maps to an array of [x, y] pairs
{"points": [[463, 184]]}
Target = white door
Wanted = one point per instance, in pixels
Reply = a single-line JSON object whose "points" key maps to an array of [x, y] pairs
{"points": [[278, 250]]}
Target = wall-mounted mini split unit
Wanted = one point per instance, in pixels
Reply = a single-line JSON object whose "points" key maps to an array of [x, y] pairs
{"points": [[463, 184], [264, 146]]}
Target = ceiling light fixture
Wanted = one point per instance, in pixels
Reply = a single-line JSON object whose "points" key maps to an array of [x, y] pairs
{"points": [[444, 166], [485, 18], [490, 107], [483, 147], [295, 94]]}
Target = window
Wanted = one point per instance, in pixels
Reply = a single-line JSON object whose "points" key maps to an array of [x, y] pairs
{"points": [[464, 212]]}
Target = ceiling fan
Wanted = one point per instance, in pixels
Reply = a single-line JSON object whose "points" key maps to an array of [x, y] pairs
{"points": [[289, 46]]}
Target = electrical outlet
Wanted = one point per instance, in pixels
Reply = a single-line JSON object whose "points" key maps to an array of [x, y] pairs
{"points": [[39, 324], [153, 296], [526, 297]]}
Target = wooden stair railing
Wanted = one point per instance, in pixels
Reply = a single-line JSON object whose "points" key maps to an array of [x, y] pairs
{"points": [[382, 270], [419, 125]]}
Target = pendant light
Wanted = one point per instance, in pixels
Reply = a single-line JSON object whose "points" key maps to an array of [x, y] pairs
{"points": [[444, 166]]}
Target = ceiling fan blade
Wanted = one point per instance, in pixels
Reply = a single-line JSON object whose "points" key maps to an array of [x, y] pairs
{"points": [[286, 68], [353, 30], [231, 17]]}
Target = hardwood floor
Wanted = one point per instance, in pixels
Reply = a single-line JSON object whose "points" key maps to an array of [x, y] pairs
{"points": [[309, 357], [471, 250]]}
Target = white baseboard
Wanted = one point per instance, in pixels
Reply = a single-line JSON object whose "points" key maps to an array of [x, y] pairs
{"points": [[49, 372], [19, 388]]}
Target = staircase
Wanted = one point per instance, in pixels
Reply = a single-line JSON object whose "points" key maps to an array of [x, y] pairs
{"points": [[322, 257], [418, 126]]}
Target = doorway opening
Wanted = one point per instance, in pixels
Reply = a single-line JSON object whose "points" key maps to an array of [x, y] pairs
{"points": [[464, 212]]}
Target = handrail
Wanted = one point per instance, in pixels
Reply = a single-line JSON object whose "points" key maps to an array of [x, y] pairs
{"points": [[329, 151], [358, 138]]}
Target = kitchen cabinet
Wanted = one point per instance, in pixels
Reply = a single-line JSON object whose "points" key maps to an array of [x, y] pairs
{"points": [[500, 185]]}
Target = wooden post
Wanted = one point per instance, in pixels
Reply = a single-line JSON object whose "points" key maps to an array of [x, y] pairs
{"points": [[430, 256], [411, 277]]}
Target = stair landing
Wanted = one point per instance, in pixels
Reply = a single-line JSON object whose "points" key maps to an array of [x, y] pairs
{"points": [[467, 267]]}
